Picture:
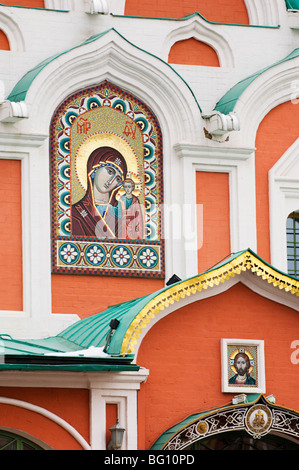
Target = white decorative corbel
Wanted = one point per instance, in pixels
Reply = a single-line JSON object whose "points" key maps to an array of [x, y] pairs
{"points": [[12, 112], [98, 7], [293, 19], [218, 124]]}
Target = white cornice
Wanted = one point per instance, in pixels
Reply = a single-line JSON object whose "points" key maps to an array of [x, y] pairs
{"points": [[124, 380], [225, 153]]}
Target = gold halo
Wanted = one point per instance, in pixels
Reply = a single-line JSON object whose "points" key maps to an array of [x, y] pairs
{"points": [[233, 355], [79, 183], [103, 140], [138, 185]]}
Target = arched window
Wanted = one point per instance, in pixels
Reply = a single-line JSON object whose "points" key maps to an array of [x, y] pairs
{"points": [[10, 441], [292, 228]]}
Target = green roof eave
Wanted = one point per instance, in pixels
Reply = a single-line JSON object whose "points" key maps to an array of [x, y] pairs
{"points": [[93, 331], [20, 90], [292, 4], [70, 367], [228, 102]]}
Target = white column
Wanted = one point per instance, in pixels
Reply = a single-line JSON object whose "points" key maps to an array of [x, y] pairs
{"points": [[120, 389]]}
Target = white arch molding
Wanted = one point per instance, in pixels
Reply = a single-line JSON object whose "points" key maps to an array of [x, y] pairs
{"points": [[263, 12], [274, 86], [116, 7], [111, 57], [12, 31], [49, 415]]}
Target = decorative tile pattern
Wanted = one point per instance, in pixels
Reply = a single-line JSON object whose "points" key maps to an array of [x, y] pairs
{"points": [[116, 236]]}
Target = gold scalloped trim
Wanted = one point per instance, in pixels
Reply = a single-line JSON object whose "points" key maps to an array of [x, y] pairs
{"points": [[246, 261]]}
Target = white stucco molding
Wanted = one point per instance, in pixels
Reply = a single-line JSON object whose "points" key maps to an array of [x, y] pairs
{"points": [[49, 415], [219, 125], [202, 30], [263, 12], [97, 7], [111, 57], [274, 86], [89, 6], [293, 19], [11, 112], [239, 164], [12, 31], [283, 199]]}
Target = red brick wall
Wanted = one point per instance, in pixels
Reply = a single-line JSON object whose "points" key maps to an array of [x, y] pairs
{"points": [[25, 3], [4, 43], [212, 191], [72, 406], [87, 295], [223, 11], [11, 290], [193, 52]]}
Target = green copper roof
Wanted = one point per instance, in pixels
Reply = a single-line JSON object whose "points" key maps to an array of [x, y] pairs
{"points": [[228, 102], [93, 331], [19, 92]]}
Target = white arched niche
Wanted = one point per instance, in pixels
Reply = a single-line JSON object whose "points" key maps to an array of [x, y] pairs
{"points": [[106, 57], [202, 30]]}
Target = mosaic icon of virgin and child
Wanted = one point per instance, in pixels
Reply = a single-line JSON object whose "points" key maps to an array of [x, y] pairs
{"points": [[100, 212]]}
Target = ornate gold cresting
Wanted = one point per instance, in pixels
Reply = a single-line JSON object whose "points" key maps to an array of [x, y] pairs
{"points": [[245, 261]]}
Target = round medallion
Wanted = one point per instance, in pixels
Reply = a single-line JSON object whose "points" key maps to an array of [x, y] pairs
{"points": [[202, 427], [258, 420]]}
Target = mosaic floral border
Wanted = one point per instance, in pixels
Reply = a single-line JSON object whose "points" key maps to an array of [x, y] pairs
{"points": [[90, 257]]}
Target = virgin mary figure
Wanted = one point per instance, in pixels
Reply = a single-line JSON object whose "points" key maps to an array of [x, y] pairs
{"points": [[96, 214]]}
